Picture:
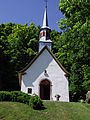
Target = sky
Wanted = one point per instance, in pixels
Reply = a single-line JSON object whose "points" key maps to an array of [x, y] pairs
{"points": [[26, 11]]}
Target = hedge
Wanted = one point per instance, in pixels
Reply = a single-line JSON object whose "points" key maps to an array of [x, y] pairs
{"points": [[14, 96], [17, 96]]}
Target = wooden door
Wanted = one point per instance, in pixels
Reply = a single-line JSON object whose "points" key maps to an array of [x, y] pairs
{"points": [[45, 90]]}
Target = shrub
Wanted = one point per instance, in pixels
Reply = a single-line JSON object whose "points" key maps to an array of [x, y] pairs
{"points": [[5, 96], [14, 96], [18, 96], [36, 103]]}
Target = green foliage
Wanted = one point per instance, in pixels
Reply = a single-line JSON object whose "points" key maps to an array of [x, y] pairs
{"points": [[36, 103], [18, 96], [5, 96], [56, 40], [14, 96], [74, 53], [18, 46]]}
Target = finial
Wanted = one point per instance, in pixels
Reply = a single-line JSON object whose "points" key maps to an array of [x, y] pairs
{"points": [[46, 2]]}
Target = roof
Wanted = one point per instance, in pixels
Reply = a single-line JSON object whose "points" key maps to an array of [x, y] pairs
{"points": [[22, 72]]}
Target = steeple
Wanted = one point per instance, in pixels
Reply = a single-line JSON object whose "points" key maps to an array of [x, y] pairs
{"points": [[45, 33], [45, 20]]}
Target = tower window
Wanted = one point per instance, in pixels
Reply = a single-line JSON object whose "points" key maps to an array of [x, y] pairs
{"points": [[42, 34], [30, 90]]}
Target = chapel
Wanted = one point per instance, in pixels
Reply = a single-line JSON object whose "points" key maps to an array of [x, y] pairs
{"points": [[44, 75]]}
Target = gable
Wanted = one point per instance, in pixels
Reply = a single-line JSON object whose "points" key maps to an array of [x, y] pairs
{"points": [[42, 61]]}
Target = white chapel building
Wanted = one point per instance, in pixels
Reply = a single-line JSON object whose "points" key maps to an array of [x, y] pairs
{"points": [[44, 75]]}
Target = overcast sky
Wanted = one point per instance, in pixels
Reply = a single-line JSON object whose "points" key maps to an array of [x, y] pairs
{"points": [[26, 11]]}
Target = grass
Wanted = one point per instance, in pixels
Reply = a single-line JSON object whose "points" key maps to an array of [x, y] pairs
{"points": [[53, 111]]}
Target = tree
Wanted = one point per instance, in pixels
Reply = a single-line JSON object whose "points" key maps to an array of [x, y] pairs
{"points": [[76, 44], [6, 69], [18, 45]]}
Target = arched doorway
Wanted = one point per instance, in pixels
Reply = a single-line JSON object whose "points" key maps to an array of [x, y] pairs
{"points": [[45, 90]]}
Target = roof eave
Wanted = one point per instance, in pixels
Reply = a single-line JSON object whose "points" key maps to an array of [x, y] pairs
{"points": [[23, 70]]}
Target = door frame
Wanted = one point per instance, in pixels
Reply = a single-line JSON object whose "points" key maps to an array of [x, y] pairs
{"points": [[50, 87]]}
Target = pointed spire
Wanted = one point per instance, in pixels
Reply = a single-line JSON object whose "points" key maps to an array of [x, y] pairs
{"points": [[45, 20]]}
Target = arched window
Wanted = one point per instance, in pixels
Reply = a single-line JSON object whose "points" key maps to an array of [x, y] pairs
{"points": [[42, 34]]}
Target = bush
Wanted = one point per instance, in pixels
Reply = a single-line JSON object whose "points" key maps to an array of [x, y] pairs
{"points": [[36, 103], [5, 96], [14, 96], [18, 96]]}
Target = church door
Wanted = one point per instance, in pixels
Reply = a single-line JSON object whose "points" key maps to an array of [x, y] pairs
{"points": [[45, 90]]}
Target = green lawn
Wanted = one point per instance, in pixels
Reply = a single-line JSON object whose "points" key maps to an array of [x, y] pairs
{"points": [[53, 111]]}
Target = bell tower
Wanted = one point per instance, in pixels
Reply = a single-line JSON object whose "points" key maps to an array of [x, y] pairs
{"points": [[45, 33]]}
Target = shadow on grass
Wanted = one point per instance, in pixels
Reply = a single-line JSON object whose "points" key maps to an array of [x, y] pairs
{"points": [[1, 118], [43, 108]]}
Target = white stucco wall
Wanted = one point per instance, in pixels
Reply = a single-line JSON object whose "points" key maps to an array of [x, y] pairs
{"points": [[44, 43], [35, 74]]}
